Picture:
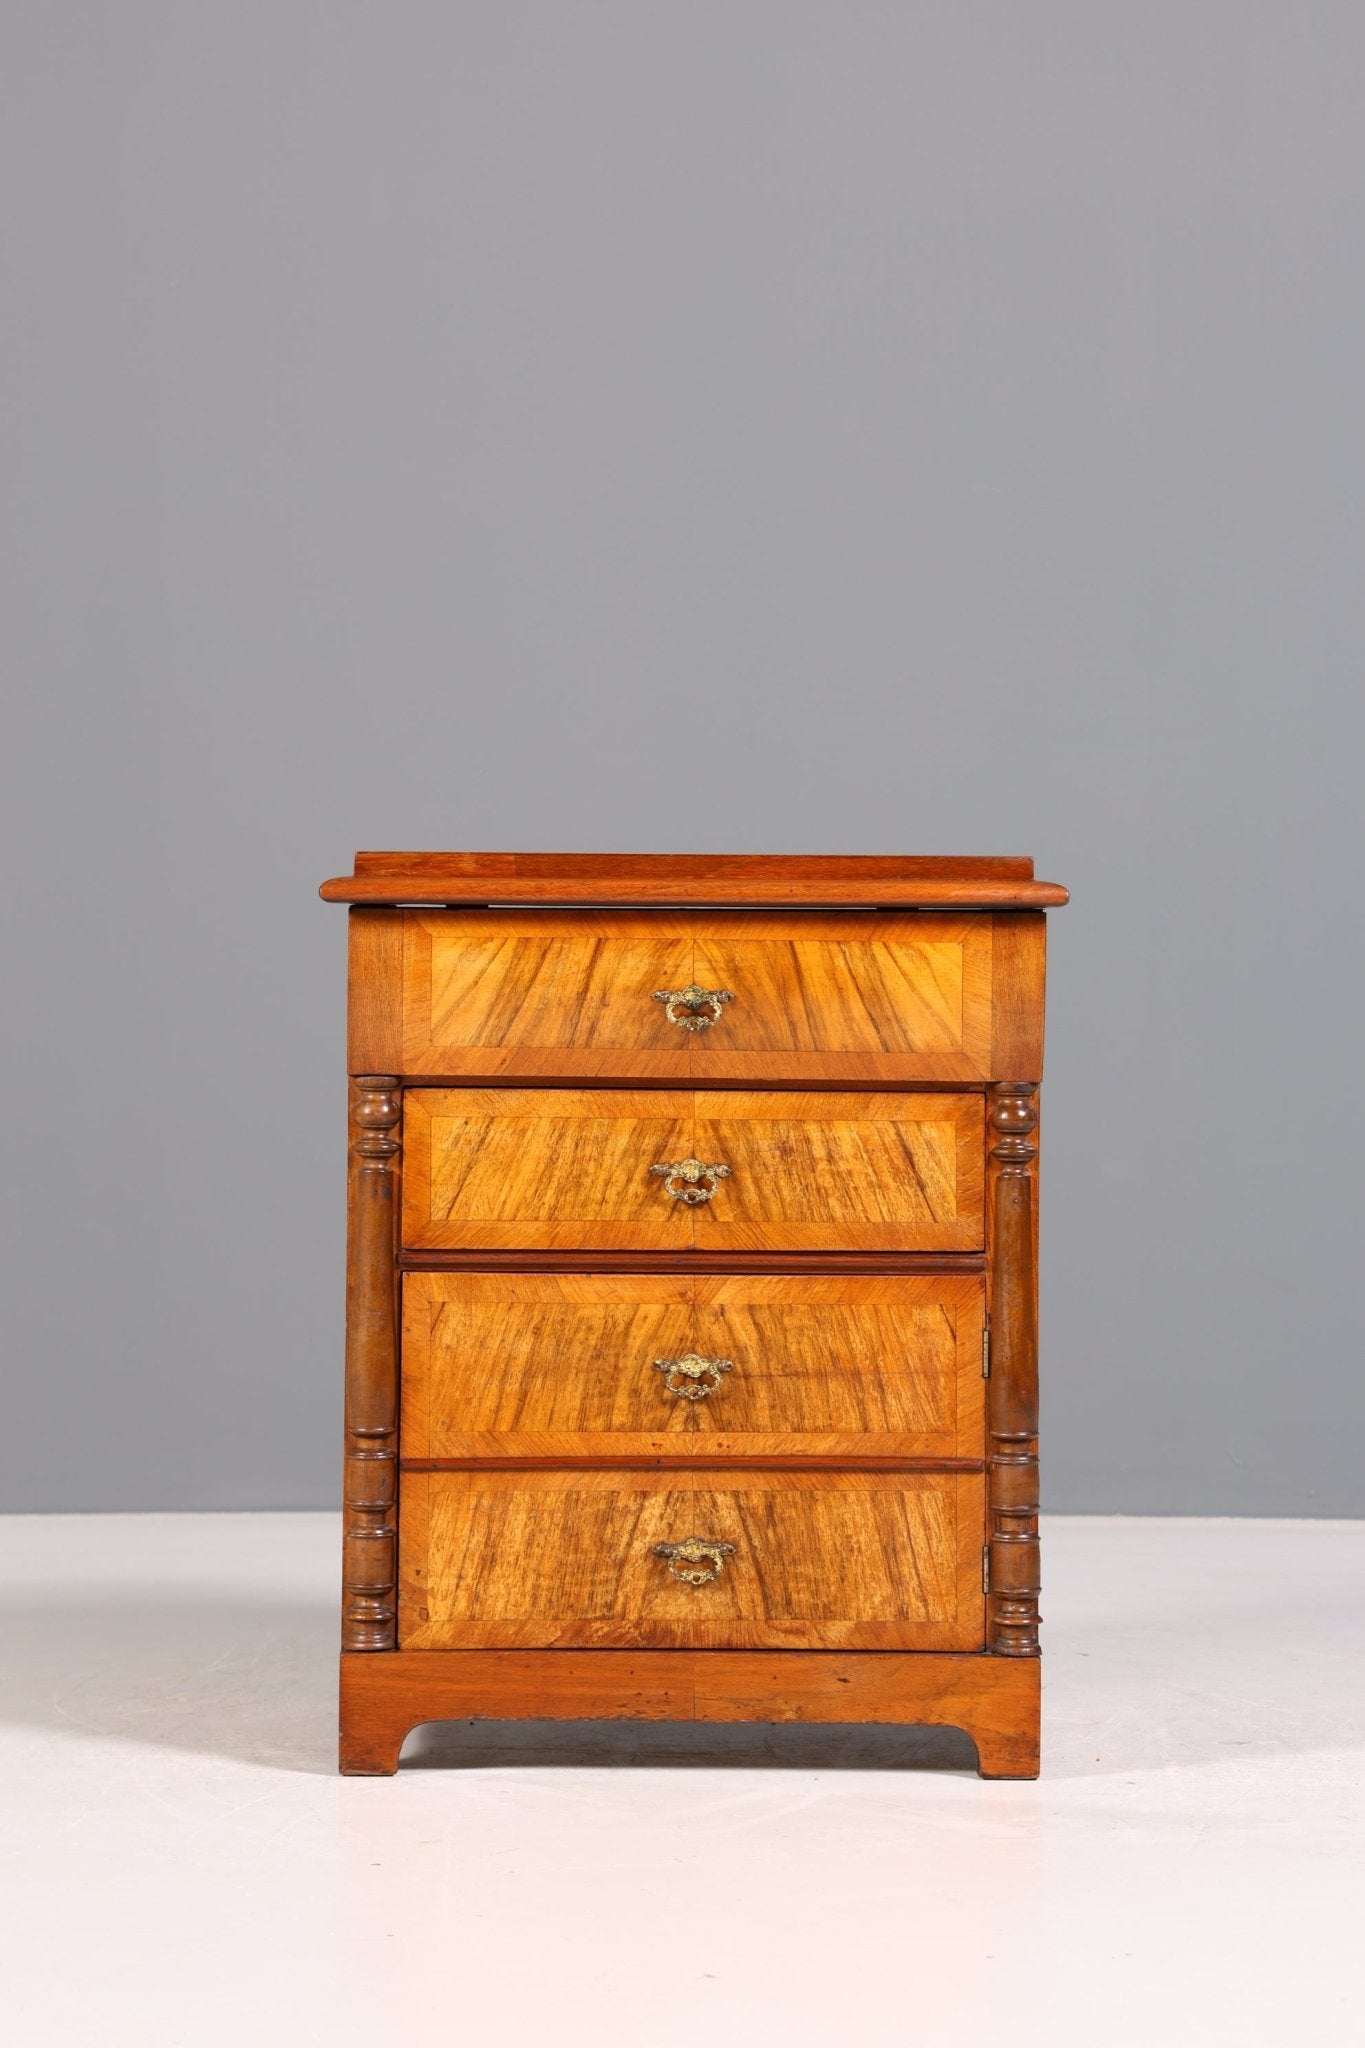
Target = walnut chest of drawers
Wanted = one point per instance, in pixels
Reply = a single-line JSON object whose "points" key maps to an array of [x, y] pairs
{"points": [[691, 1354]]}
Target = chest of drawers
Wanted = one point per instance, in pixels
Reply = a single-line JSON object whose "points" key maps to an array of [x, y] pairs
{"points": [[691, 1348]]}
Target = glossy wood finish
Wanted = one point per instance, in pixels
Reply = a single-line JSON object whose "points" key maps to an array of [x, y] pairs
{"points": [[996, 882], [856, 1172], [994, 1699], [374, 1006], [1013, 1407], [542, 1168], [861, 1087], [812, 997], [834, 1559], [370, 1494], [561, 1366]]}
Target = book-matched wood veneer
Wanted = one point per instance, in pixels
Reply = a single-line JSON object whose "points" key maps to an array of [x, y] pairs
{"points": [[541, 1168], [851, 1503], [555, 1367], [530, 1559], [801, 996]]}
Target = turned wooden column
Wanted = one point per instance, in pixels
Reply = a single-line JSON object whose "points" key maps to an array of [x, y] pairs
{"points": [[369, 1571], [1012, 1395]]}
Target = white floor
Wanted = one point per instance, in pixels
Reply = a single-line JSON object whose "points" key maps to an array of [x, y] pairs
{"points": [[182, 1868]]}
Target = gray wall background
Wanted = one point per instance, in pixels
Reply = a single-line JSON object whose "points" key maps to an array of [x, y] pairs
{"points": [[906, 427]]}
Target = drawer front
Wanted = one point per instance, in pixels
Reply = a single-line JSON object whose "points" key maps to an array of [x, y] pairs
{"points": [[781, 996], [786, 1559], [585, 1366], [616, 1169]]}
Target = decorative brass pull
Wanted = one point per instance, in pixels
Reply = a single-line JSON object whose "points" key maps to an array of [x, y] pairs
{"points": [[693, 1008], [684, 1180], [697, 1560], [693, 1377]]}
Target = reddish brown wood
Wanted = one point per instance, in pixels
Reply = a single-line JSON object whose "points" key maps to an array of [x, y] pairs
{"points": [[966, 882], [693, 1262], [369, 1609], [665, 1461], [1012, 1396], [994, 1699], [699, 866]]}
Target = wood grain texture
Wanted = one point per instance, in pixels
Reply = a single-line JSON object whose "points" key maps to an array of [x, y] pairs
{"points": [[1012, 1421], [527, 993], [874, 879], [370, 1492], [526, 1168], [374, 992], [561, 1366], [1019, 967], [995, 1699], [565, 994], [846, 1559], [854, 1172], [541, 1169]]}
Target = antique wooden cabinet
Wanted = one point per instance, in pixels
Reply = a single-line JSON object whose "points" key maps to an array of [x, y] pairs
{"points": [[691, 1354]]}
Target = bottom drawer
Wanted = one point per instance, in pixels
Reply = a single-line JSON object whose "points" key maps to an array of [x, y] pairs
{"points": [[527, 1559]]}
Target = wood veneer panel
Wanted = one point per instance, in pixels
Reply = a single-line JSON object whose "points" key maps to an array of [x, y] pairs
{"points": [[551, 1367], [541, 1169], [561, 993], [856, 1172], [526, 1168], [826, 1559], [527, 994], [995, 1699]]}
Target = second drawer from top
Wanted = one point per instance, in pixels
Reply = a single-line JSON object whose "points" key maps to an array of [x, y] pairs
{"points": [[583, 1169]]}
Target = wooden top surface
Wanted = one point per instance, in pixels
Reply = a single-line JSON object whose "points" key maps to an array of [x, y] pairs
{"points": [[910, 881]]}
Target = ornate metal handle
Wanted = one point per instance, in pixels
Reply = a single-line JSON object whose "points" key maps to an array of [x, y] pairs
{"points": [[697, 1560], [693, 1008], [684, 1180], [693, 1377]]}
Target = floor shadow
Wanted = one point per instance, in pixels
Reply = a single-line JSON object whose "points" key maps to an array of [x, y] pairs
{"points": [[254, 1681], [251, 1679], [685, 1745]]}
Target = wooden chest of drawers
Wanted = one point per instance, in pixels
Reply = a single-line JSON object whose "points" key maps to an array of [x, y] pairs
{"points": [[691, 1361]]}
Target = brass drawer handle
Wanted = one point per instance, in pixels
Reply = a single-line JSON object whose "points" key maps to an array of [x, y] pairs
{"points": [[693, 1377], [701, 1560], [693, 1008], [683, 1180]]}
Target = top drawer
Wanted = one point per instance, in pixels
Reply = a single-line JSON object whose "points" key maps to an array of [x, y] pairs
{"points": [[744, 996]]}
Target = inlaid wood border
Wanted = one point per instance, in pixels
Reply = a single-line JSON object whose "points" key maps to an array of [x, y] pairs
{"points": [[429, 1497], [715, 945], [704, 1118], [445, 1426]]}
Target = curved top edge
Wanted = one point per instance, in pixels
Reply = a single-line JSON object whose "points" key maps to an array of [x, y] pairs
{"points": [[1002, 882]]}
